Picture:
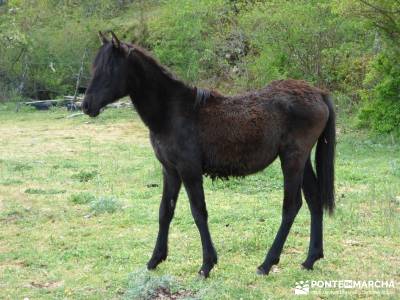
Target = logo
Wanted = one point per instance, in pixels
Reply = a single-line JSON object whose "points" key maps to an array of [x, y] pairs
{"points": [[345, 286], [302, 288]]}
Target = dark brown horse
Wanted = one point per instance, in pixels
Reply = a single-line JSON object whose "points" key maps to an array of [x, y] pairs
{"points": [[195, 132]]}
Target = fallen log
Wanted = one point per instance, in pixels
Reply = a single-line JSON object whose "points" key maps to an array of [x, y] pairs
{"points": [[46, 104], [71, 98], [43, 101], [119, 105], [42, 105], [69, 103]]}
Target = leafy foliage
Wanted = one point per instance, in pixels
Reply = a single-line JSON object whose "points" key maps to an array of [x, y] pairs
{"points": [[381, 111], [185, 36], [232, 45], [301, 39], [44, 43]]}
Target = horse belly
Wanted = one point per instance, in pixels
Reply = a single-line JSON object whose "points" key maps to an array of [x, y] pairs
{"points": [[222, 167], [228, 155], [239, 136]]}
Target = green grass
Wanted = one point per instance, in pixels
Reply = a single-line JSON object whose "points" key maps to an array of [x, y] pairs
{"points": [[53, 245]]}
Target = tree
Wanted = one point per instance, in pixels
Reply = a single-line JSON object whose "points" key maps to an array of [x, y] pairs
{"points": [[381, 94]]}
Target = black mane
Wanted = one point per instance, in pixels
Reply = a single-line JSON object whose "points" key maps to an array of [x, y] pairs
{"points": [[201, 94]]}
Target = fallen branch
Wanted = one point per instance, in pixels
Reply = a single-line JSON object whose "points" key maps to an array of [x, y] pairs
{"points": [[74, 115]]}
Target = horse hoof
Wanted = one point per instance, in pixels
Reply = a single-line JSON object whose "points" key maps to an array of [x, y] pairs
{"points": [[203, 274], [261, 271], [307, 266], [151, 266], [154, 262]]}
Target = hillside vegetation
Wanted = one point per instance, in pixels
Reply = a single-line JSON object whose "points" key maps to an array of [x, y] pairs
{"points": [[350, 47]]}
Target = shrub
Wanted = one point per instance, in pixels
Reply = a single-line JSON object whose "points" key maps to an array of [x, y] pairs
{"points": [[299, 39], [184, 36], [105, 205], [381, 107]]}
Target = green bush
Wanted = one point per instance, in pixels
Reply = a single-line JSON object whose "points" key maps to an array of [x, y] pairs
{"points": [[42, 43], [381, 102], [300, 39], [184, 36]]}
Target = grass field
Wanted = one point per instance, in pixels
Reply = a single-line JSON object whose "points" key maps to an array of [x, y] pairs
{"points": [[79, 216]]}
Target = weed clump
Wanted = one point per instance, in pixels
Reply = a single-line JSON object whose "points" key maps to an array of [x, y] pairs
{"points": [[105, 205], [43, 192], [82, 198], [85, 176], [145, 286]]}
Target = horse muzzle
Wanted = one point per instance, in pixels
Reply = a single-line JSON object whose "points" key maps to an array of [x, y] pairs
{"points": [[88, 109]]}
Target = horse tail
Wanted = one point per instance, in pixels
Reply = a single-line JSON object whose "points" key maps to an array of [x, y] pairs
{"points": [[325, 159]]}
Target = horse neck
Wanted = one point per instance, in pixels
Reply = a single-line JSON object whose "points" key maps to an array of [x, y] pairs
{"points": [[154, 96]]}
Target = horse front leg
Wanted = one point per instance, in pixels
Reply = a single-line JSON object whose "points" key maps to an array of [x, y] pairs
{"points": [[171, 186], [194, 188]]}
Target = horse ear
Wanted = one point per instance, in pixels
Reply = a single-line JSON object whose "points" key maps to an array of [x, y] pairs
{"points": [[115, 42], [102, 38]]}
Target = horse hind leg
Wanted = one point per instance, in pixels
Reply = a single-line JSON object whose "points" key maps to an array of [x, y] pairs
{"points": [[310, 190], [293, 168]]}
